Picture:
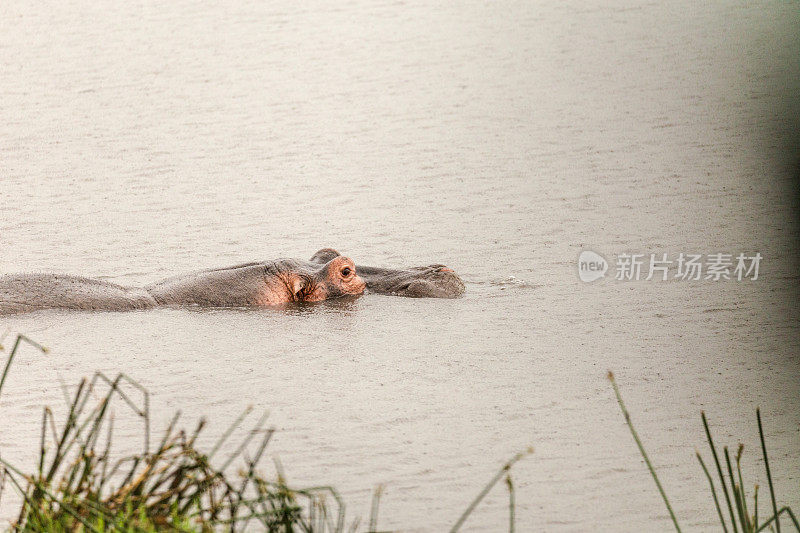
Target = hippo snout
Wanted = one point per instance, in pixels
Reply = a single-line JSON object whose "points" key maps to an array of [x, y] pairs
{"points": [[434, 281]]}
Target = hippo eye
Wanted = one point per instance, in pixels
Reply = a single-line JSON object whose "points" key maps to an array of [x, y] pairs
{"points": [[346, 271]]}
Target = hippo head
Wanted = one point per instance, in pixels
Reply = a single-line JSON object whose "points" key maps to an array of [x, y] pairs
{"points": [[336, 278], [433, 281]]}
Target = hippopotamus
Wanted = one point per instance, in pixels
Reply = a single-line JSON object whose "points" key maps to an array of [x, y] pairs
{"points": [[326, 275], [248, 285]]}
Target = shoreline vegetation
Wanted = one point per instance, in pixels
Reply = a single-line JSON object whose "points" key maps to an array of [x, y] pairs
{"points": [[738, 517], [173, 486]]}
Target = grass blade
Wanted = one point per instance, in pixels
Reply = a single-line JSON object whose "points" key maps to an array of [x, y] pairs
{"points": [[719, 470], [769, 475], [17, 342], [736, 491], [505, 468], [373, 514], [774, 518], [747, 526], [511, 504], [713, 492], [641, 450]]}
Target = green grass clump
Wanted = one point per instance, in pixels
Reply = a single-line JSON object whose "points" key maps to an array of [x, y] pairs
{"points": [[738, 517], [79, 485]]}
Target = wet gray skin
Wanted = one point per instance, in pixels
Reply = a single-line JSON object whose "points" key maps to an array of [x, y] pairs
{"points": [[258, 284], [432, 281], [21, 293], [247, 285]]}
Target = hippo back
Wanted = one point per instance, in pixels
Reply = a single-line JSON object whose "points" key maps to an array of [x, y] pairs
{"points": [[21, 293], [246, 285]]}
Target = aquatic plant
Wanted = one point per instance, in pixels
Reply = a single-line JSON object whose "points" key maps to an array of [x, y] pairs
{"points": [[732, 485], [80, 486]]}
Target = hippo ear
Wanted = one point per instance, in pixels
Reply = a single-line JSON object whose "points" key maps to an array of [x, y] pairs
{"points": [[297, 286], [324, 256]]}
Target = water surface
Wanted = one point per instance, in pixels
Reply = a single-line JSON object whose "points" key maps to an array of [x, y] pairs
{"points": [[145, 140]]}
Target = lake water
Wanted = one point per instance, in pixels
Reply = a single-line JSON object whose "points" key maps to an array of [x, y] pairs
{"points": [[143, 140]]}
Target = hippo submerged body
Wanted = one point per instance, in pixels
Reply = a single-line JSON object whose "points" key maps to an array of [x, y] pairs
{"points": [[327, 275], [29, 292]]}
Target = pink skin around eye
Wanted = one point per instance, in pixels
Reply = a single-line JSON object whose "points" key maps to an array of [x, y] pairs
{"points": [[359, 285]]}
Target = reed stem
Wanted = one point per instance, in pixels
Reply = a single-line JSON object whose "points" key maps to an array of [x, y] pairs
{"points": [[503, 470], [769, 475], [642, 451]]}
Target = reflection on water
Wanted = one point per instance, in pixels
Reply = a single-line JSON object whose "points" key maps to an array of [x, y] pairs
{"points": [[342, 305], [140, 141]]}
